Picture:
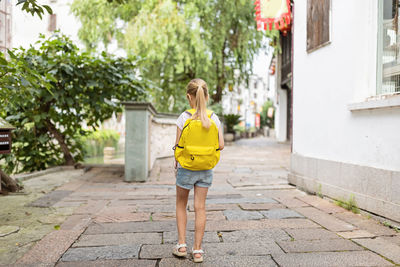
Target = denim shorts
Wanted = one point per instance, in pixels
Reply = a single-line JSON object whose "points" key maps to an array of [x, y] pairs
{"points": [[187, 179]]}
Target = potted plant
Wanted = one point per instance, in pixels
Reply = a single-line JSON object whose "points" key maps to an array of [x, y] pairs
{"points": [[230, 121]]}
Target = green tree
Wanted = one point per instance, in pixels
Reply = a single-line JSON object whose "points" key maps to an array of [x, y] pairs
{"points": [[52, 91], [32, 6], [265, 120], [177, 40]]}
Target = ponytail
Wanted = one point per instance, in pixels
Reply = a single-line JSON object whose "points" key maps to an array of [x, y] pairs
{"points": [[201, 108]]}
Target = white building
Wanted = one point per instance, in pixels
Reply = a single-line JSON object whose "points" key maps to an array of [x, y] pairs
{"points": [[26, 28], [246, 99], [346, 102]]}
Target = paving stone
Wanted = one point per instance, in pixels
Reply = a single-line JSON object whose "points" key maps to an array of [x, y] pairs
{"points": [[92, 207], [219, 196], [168, 216], [51, 247], [123, 217], [244, 248], [119, 209], [172, 237], [242, 215], [50, 199], [260, 206], [217, 207], [242, 170], [102, 253], [331, 259], [311, 234], [118, 239], [260, 224], [392, 239], [6, 230], [29, 265], [255, 235], [356, 234], [110, 263], [322, 204], [76, 222], [382, 247], [71, 186], [156, 208], [363, 223], [318, 245], [130, 227], [221, 261], [267, 187], [291, 202], [156, 251], [69, 204], [328, 221], [240, 200], [281, 214]]}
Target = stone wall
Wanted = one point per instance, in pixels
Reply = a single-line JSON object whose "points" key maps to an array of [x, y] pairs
{"points": [[149, 135], [162, 137], [375, 190]]}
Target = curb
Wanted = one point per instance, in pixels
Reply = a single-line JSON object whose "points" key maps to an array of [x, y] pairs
{"points": [[24, 177]]}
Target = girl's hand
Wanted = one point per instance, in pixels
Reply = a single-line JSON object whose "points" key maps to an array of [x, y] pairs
{"points": [[175, 164]]}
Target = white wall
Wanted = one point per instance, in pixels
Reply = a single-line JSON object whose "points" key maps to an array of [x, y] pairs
{"points": [[26, 28], [328, 79]]}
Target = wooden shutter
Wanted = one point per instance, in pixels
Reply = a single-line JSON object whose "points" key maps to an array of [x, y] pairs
{"points": [[318, 20], [52, 22]]}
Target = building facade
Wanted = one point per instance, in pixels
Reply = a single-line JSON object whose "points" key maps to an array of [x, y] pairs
{"points": [[346, 102], [247, 99]]}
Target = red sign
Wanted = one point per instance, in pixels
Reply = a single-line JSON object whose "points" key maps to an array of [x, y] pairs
{"points": [[257, 122], [271, 13]]}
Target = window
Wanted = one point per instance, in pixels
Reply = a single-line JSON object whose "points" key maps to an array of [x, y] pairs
{"points": [[52, 22], [5, 25], [388, 75], [255, 85], [318, 20]]}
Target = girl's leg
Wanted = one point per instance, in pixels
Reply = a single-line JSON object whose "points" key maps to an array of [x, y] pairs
{"points": [[181, 217], [200, 195]]}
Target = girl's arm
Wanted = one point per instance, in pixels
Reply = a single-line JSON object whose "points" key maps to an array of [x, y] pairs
{"points": [[221, 140], [178, 136]]}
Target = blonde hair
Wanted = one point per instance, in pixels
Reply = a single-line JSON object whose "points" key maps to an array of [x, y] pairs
{"points": [[198, 89]]}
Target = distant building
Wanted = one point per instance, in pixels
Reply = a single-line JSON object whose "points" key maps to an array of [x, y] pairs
{"points": [[246, 99], [346, 102]]}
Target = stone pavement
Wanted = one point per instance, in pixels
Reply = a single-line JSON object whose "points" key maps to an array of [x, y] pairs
{"points": [[254, 218]]}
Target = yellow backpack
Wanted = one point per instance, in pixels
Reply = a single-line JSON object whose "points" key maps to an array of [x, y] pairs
{"points": [[198, 147]]}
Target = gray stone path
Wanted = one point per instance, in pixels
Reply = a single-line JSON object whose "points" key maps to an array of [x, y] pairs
{"points": [[254, 218]]}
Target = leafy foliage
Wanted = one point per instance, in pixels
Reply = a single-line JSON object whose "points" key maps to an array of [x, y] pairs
{"points": [[50, 92], [95, 141], [231, 120], [177, 41], [264, 119], [32, 7]]}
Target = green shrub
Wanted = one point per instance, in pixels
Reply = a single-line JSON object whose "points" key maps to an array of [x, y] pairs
{"points": [[230, 121], [264, 119], [350, 204], [95, 142], [50, 90]]}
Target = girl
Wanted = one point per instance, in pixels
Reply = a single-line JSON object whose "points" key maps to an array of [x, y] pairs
{"points": [[197, 95]]}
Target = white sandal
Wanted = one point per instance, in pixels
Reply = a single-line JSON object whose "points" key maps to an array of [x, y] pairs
{"points": [[198, 259], [178, 253]]}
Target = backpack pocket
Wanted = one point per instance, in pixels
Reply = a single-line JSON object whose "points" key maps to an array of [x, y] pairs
{"points": [[200, 157]]}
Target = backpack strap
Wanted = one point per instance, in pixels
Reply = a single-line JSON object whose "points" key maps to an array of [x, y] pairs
{"points": [[192, 111]]}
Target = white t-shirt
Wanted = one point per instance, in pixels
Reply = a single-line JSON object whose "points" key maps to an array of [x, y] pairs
{"points": [[184, 116]]}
